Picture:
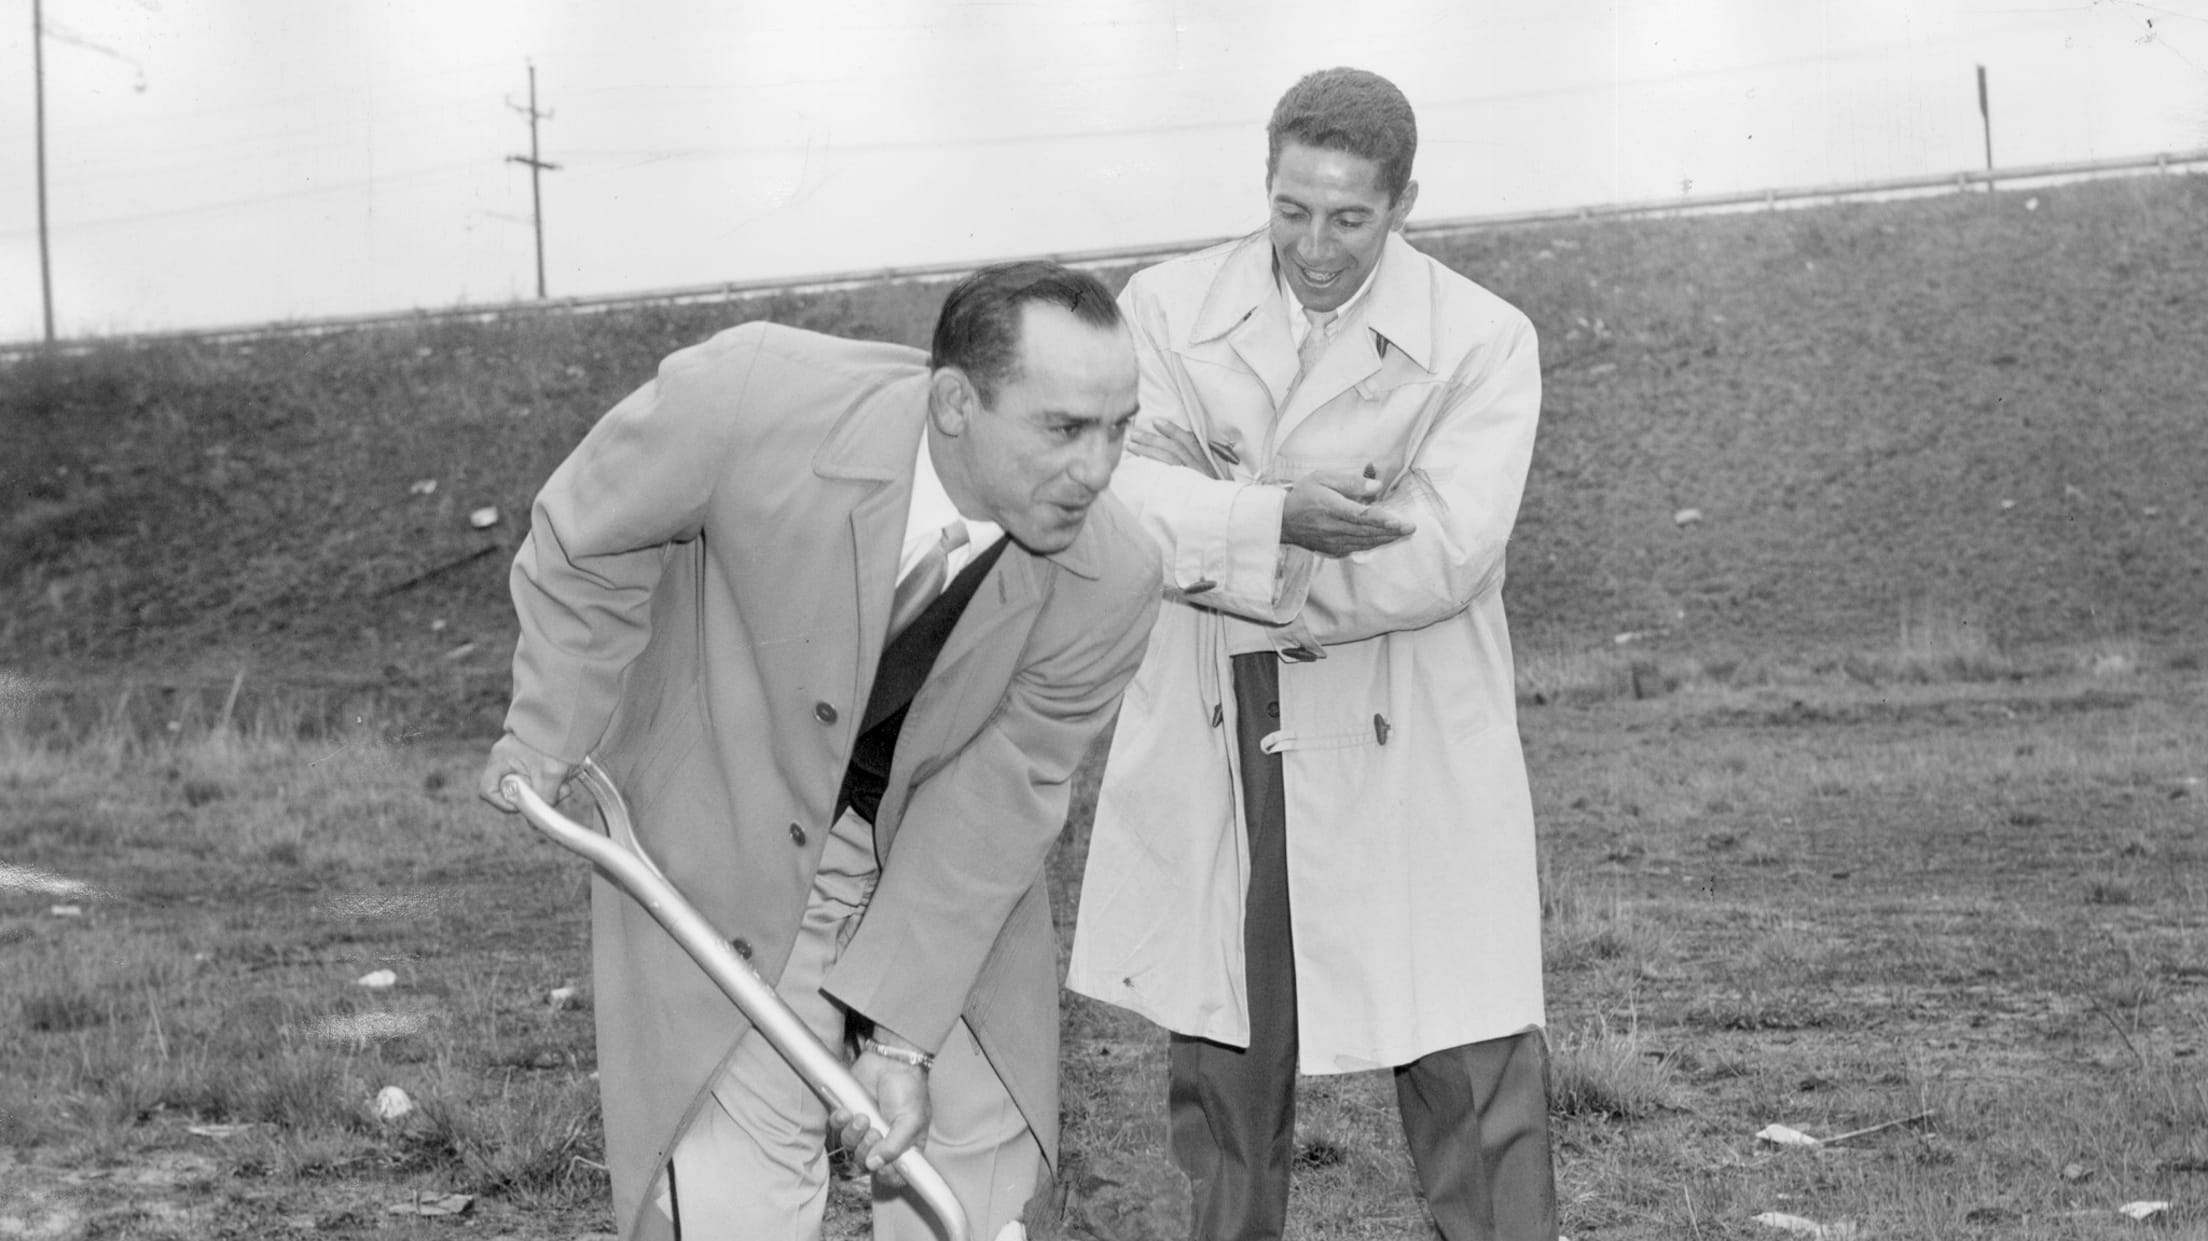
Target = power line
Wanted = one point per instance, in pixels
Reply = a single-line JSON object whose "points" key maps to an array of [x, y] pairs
{"points": [[294, 102], [62, 34], [228, 204]]}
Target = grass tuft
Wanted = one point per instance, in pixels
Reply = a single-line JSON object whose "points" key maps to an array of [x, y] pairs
{"points": [[1601, 1072], [59, 1012]]}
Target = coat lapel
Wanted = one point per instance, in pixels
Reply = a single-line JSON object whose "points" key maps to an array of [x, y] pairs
{"points": [[968, 680], [976, 667], [873, 446], [1242, 320], [1391, 330], [1000, 614], [1012, 593]]}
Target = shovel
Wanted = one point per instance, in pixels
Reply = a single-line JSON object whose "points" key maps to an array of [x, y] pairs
{"points": [[620, 857]]}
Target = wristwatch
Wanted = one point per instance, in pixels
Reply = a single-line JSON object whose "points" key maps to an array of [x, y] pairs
{"points": [[902, 1055]]}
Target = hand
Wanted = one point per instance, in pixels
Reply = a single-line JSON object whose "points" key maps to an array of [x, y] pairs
{"points": [[543, 773], [901, 1091], [1329, 512], [1172, 445]]}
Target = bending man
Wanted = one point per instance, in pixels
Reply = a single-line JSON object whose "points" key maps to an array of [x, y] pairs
{"points": [[841, 620]]}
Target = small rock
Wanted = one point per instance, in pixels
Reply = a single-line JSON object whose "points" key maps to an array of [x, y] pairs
{"points": [[423, 487], [2141, 1212], [565, 997], [1782, 1135], [378, 980], [393, 1103], [2075, 1172], [1806, 1227], [1686, 517], [484, 518], [67, 911]]}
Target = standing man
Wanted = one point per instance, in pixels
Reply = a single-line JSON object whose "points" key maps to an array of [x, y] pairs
{"points": [[716, 598], [1314, 844]]}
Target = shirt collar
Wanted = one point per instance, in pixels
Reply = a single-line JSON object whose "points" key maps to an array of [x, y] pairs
{"points": [[932, 509], [1299, 318]]}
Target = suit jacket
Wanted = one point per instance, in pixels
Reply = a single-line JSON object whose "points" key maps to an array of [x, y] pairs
{"points": [[1415, 907], [703, 599]]}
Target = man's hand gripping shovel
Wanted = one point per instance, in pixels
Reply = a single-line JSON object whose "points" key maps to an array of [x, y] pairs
{"points": [[621, 859]]}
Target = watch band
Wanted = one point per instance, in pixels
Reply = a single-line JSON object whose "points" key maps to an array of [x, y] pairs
{"points": [[902, 1055]]}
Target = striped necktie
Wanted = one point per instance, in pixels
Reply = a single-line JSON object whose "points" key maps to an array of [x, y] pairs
{"points": [[917, 589], [1314, 341]]}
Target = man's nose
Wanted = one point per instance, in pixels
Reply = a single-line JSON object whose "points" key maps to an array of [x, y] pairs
{"points": [[1092, 465], [1311, 241]]}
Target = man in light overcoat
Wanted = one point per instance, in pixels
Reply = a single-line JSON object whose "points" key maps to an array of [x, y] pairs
{"points": [[712, 601], [1314, 846]]}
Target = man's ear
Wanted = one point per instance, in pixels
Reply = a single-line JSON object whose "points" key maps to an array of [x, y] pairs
{"points": [[1401, 211], [951, 400]]}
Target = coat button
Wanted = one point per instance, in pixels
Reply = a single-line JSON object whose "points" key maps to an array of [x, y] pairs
{"points": [[797, 834], [823, 712], [1272, 710], [742, 947], [1218, 714], [1380, 728], [1199, 586]]}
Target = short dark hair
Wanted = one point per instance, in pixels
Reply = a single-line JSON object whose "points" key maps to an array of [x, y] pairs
{"points": [[978, 330], [1351, 111]]}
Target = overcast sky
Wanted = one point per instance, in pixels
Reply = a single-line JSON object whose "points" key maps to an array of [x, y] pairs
{"points": [[235, 161]]}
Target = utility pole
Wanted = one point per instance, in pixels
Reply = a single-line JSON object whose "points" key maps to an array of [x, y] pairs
{"points": [[537, 168], [38, 79], [1985, 119]]}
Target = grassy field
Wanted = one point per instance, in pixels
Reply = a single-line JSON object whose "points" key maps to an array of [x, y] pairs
{"points": [[1871, 790], [1977, 407], [1797, 900]]}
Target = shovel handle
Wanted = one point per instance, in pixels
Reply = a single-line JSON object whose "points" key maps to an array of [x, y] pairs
{"points": [[622, 860]]}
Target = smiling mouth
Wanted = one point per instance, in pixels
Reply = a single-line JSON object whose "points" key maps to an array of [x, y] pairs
{"points": [[1318, 279]]}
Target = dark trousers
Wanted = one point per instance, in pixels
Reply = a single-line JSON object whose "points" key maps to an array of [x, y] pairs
{"points": [[1475, 1117]]}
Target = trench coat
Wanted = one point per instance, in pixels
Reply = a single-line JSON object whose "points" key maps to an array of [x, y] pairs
{"points": [[703, 598], [1412, 873]]}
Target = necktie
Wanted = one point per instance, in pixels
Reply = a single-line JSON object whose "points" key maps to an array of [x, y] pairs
{"points": [[1314, 341], [917, 589]]}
